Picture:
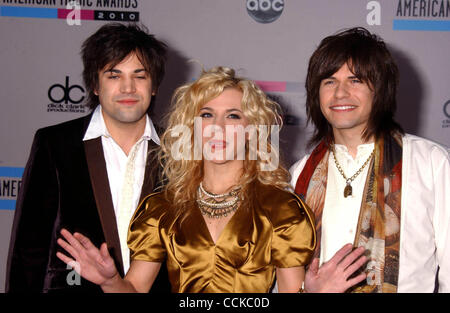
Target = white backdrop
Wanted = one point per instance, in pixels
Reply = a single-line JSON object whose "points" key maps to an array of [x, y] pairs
{"points": [[40, 49]]}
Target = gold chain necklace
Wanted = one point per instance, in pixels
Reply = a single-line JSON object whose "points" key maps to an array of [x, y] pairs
{"points": [[213, 208], [348, 190]]}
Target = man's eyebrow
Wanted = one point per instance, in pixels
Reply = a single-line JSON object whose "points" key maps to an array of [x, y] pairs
{"points": [[114, 70], [350, 77]]}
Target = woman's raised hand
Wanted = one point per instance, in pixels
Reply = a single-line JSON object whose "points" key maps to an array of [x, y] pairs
{"points": [[91, 263]]}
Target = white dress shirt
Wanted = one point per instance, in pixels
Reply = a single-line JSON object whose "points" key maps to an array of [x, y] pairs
{"points": [[425, 215], [340, 215], [116, 162]]}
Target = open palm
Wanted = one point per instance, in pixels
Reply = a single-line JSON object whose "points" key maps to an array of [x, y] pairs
{"points": [[93, 264]]}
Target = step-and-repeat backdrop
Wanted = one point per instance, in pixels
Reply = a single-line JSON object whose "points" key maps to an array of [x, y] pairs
{"points": [[269, 41]]}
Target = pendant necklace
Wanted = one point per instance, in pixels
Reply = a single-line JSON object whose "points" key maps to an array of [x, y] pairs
{"points": [[348, 190]]}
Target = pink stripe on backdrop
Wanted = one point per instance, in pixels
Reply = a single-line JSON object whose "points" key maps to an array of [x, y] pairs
{"points": [[268, 86], [85, 14]]}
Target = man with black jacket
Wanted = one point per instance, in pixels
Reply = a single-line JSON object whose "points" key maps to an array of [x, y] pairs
{"points": [[89, 174]]}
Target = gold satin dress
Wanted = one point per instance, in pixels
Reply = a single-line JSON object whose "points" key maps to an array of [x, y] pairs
{"points": [[277, 231]]}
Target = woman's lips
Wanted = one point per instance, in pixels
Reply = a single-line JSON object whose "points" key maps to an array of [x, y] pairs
{"points": [[217, 144]]}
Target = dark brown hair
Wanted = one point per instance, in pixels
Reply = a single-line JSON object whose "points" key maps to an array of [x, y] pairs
{"points": [[370, 61], [111, 44]]}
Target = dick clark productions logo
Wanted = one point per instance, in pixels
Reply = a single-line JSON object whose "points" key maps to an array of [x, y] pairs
{"points": [[66, 90], [447, 109], [66, 98], [446, 122], [265, 11]]}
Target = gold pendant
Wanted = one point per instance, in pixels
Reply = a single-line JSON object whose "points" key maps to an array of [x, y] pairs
{"points": [[348, 190]]}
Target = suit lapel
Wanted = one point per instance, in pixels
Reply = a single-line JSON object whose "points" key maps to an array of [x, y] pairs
{"points": [[102, 192], [151, 170]]}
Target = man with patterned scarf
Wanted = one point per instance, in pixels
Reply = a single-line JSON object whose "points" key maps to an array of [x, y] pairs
{"points": [[368, 183]]}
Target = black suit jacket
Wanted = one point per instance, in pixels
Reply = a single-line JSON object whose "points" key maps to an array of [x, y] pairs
{"points": [[65, 185]]}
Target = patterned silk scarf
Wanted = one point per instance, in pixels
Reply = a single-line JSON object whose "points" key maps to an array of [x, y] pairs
{"points": [[378, 227]]}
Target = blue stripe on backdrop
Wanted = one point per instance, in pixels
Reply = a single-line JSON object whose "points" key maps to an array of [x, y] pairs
{"points": [[425, 25], [7, 205], [11, 172], [28, 12]]}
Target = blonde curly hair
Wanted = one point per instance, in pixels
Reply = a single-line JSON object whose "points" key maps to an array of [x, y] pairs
{"points": [[183, 176]]}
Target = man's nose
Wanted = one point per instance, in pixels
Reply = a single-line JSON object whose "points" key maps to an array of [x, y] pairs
{"points": [[127, 85], [341, 91]]}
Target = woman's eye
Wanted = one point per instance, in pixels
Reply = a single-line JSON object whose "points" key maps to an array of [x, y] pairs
{"points": [[234, 116], [205, 115]]}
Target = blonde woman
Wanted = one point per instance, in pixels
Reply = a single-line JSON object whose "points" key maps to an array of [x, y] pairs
{"points": [[224, 221]]}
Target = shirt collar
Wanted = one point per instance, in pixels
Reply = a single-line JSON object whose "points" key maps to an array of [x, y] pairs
{"points": [[97, 128], [362, 150]]}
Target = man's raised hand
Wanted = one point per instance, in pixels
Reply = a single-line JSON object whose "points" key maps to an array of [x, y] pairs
{"points": [[93, 264]]}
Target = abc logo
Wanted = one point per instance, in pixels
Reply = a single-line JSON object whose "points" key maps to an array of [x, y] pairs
{"points": [[63, 93], [265, 11]]}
